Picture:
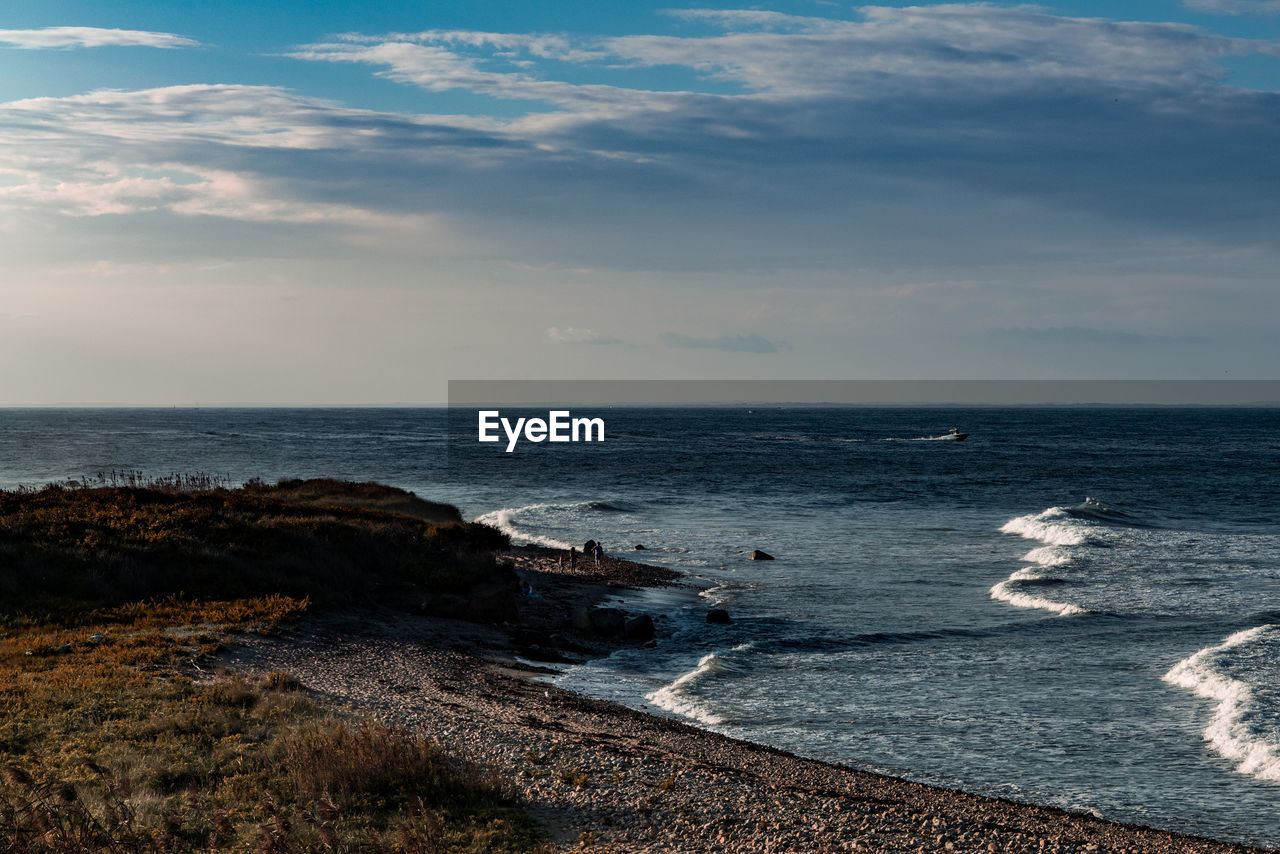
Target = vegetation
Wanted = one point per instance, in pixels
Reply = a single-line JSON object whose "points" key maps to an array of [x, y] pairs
{"points": [[72, 549], [117, 733]]}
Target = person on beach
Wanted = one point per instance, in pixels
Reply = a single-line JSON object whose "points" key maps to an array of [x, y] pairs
{"points": [[573, 557], [599, 553]]}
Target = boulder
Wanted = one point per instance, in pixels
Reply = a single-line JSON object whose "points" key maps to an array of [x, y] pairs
{"points": [[718, 615], [639, 628], [588, 547], [640, 548], [608, 621], [759, 555]]}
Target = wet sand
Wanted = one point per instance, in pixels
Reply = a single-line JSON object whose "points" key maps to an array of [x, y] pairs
{"points": [[599, 776]]}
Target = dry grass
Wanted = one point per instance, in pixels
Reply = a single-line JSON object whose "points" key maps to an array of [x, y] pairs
{"points": [[117, 732], [73, 549], [370, 496]]}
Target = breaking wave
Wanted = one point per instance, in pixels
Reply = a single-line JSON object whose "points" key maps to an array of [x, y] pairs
{"points": [[556, 525], [680, 697], [1015, 590], [522, 531], [1244, 724], [1063, 532]]}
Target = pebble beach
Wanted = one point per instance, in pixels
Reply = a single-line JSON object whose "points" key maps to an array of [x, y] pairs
{"points": [[600, 776]]}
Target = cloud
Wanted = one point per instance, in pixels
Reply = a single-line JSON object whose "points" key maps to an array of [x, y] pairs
{"points": [[728, 343], [436, 61], [1016, 49], [1233, 7], [575, 335], [1011, 104], [185, 150], [756, 19], [947, 137], [71, 37]]}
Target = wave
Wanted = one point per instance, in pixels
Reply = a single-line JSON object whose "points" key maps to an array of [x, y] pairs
{"points": [[1071, 525], [1054, 526], [1094, 509], [1048, 556], [726, 592], [1232, 731], [504, 521], [869, 639], [552, 524], [1010, 592], [678, 698], [1069, 555], [607, 506], [1059, 532]]}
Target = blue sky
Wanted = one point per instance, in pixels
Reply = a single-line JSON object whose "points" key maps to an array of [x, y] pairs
{"points": [[325, 203]]}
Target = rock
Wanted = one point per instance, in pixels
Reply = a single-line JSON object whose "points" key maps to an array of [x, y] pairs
{"points": [[491, 601], [640, 548], [718, 615], [638, 628], [581, 618], [532, 637], [608, 621], [759, 555], [588, 547]]}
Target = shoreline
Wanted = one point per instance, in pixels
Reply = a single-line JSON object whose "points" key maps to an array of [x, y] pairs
{"points": [[597, 774]]}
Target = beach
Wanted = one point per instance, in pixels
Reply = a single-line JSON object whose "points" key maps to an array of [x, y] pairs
{"points": [[1067, 609], [599, 776]]}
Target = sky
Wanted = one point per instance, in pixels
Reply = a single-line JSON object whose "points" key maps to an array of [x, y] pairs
{"points": [[326, 203]]}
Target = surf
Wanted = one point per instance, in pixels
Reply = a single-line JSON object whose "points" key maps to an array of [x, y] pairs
{"points": [[1238, 730], [679, 698]]}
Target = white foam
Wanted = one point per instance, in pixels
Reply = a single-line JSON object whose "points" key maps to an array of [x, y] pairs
{"points": [[1228, 732], [722, 593], [1047, 556], [1004, 592], [504, 521], [1053, 526], [1057, 529], [675, 698]]}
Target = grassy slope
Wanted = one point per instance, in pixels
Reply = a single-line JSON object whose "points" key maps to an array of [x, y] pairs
{"points": [[111, 599]]}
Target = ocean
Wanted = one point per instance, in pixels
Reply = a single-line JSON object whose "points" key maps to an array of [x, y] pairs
{"points": [[1075, 606]]}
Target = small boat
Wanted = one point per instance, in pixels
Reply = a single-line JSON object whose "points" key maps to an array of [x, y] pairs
{"points": [[952, 435]]}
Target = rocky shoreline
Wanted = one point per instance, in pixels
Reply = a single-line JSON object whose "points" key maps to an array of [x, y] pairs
{"points": [[599, 776]]}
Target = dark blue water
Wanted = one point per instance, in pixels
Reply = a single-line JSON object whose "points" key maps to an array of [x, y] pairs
{"points": [[1074, 606]]}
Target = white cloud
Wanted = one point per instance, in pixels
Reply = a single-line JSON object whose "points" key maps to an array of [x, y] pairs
{"points": [[787, 55], [120, 153], [433, 62], [1233, 7], [69, 37], [757, 19]]}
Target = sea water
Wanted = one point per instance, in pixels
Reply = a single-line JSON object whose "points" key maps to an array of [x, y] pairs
{"points": [[1075, 606]]}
